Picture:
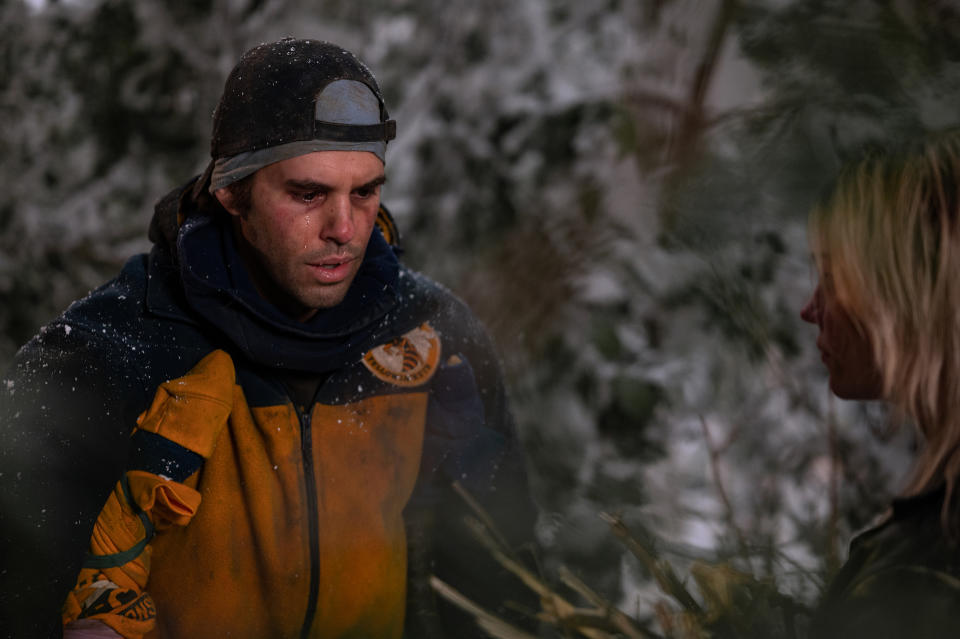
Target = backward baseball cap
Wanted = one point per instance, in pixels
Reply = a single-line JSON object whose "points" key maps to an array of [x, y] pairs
{"points": [[289, 98]]}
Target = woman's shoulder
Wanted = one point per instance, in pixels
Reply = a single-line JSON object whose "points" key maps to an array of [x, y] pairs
{"points": [[912, 537], [902, 578]]}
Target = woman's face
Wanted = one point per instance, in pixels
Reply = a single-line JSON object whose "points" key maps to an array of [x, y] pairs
{"points": [[844, 348]]}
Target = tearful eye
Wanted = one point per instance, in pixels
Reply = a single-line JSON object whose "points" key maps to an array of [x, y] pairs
{"points": [[310, 196]]}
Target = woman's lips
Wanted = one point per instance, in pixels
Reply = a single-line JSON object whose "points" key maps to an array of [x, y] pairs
{"points": [[824, 356]]}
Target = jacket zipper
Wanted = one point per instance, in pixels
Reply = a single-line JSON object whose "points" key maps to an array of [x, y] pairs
{"points": [[313, 526]]}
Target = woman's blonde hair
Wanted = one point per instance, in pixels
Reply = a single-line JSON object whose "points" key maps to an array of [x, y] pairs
{"points": [[888, 232]]}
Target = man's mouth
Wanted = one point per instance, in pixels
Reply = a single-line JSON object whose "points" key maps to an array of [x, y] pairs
{"points": [[330, 262], [331, 270]]}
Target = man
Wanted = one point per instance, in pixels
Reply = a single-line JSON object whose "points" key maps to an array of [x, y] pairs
{"points": [[270, 391]]}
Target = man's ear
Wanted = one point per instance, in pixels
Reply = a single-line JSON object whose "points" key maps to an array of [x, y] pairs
{"points": [[227, 201]]}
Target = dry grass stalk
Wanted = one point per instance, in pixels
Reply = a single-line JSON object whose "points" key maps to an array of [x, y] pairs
{"points": [[661, 571], [734, 602], [594, 623], [490, 623], [556, 609], [483, 516], [620, 621], [715, 451]]}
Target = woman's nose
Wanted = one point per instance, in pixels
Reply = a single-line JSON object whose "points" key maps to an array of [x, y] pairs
{"points": [[811, 310]]}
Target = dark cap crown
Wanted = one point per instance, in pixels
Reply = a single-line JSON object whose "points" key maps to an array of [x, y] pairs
{"points": [[269, 96]]}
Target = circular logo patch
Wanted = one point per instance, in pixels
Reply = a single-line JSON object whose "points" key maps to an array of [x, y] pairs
{"points": [[408, 360]]}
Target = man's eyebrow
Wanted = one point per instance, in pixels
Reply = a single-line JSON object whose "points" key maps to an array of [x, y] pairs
{"points": [[306, 185], [372, 184], [312, 185]]}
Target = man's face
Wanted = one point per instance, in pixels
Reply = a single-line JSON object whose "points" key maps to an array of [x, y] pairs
{"points": [[844, 348], [305, 233]]}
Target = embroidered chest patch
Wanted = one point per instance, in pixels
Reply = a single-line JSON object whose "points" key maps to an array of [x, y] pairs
{"points": [[408, 360]]}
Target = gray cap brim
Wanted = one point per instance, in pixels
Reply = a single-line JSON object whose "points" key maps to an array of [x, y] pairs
{"points": [[340, 105]]}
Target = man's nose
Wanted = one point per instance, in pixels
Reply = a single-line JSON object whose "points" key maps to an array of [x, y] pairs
{"points": [[338, 220]]}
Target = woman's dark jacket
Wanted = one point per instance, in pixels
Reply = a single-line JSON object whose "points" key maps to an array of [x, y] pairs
{"points": [[902, 579]]}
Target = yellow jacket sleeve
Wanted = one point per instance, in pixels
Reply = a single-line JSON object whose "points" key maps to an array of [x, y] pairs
{"points": [[190, 412]]}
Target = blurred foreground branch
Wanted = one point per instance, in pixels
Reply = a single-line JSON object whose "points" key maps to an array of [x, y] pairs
{"points": [[490, 623], [597, 622], [728, 603]]}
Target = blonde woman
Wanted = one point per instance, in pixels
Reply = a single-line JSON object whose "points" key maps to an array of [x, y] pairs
{"points": [[886, 241]]}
